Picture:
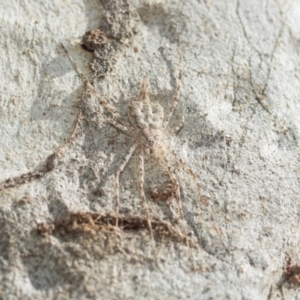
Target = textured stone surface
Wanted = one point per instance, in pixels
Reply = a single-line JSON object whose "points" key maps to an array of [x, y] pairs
{"points": [[240, 97]]}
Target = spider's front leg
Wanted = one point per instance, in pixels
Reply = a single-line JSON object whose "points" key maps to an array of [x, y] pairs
{"points": [[142, 193], [104, 102], [116, 119], [117, 178], [177, 91]]}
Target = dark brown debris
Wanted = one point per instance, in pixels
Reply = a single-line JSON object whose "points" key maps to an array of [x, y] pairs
{"points": [[91, 223], [292, 273], [107, 40], [163, 193]]}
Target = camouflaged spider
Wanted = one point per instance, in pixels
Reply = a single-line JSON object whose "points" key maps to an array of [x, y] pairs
{"points": [[149, 134]]}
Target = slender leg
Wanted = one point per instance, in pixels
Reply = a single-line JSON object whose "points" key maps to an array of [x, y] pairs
{"points": [[178, 127], [193, 175], [142, 193], [202, 197], [178, 196], [119, 126], [165, 162], [117, 176], [177, 91], [104, 102]]}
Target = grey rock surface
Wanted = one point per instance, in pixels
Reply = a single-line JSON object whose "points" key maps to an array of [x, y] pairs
{"points": [[240, 98]]}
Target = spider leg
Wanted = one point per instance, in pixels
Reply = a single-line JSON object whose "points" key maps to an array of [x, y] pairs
{"points": [[117, 183], [119, 126], [142, 193], [202, 197], [177, 91], [178, 127], [177, 188], [174, 180], [104, 102], [189, 171]]}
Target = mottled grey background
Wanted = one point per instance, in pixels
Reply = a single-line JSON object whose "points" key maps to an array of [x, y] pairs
{"points": [[240, 97]]}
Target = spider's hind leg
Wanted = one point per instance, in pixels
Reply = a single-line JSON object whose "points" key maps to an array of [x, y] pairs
{"points": [[175, 182], [142, 193], [176, 129], [202, 197], [117, 183]]}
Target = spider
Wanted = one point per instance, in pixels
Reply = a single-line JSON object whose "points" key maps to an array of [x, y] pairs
{"points": [[149, 131]]}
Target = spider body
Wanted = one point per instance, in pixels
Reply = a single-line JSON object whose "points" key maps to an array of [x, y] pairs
{"points": [[147, 130]]}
